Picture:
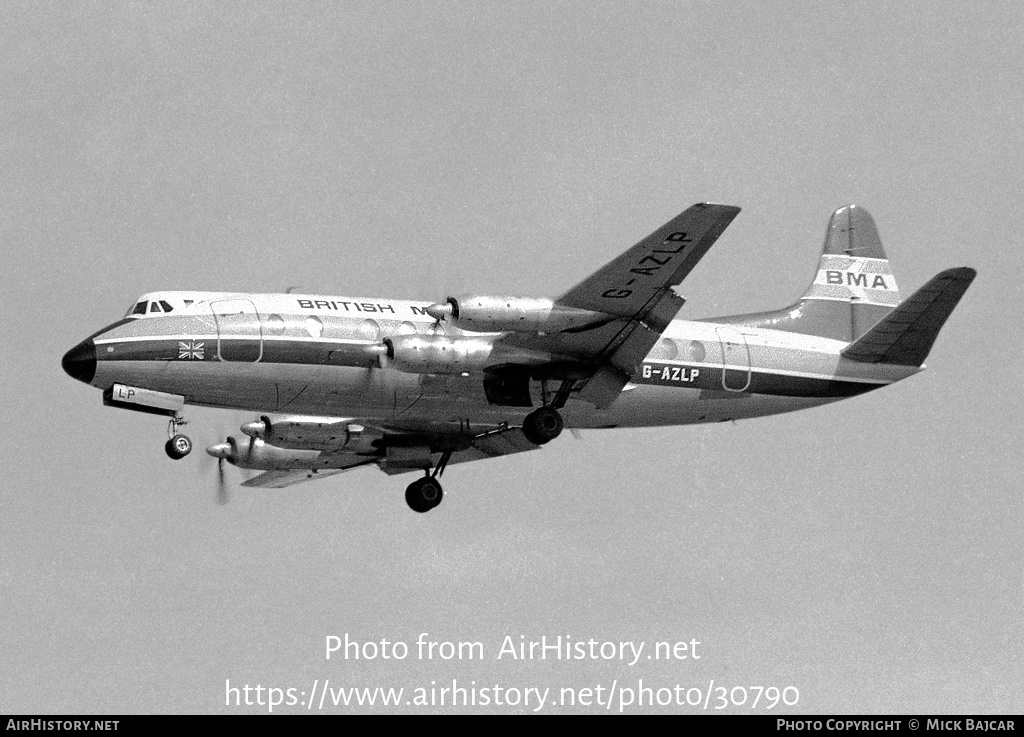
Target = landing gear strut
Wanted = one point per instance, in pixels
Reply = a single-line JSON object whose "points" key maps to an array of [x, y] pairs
{"points": [[426, 493], [178, 445]]}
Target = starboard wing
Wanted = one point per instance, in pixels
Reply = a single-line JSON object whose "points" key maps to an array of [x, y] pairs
{"points": [[491, 445]]}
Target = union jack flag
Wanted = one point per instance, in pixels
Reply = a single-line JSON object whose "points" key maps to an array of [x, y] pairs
{"points": [[191, 350]]}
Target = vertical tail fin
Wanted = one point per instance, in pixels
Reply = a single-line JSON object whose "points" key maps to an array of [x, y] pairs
{"points": [[853, 289], [854, 284]]}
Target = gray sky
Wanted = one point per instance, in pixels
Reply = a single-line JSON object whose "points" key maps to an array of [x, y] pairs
{"points": [[867, 553]]}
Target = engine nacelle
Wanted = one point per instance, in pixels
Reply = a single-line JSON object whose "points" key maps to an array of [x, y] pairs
{"points": [[251, 452], [435, 354], [304, 433], [254, 453], [484, 314]]}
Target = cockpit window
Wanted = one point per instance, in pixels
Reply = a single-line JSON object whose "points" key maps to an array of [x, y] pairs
{"points": [[154, 307], [139, 309], [167, 307]]}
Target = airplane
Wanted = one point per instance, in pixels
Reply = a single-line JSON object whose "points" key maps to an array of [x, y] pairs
{"points": [[339, 383]]}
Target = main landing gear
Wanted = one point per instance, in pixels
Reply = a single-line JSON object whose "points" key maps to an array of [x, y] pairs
{"points": [[178, 445], [542, 425], [424, 494], [545, 424]]}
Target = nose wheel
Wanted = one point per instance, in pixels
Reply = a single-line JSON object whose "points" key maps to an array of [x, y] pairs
{"points": [[178, 445]]}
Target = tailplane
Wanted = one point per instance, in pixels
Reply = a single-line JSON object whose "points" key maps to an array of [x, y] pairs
{"points": [[906, 334]]}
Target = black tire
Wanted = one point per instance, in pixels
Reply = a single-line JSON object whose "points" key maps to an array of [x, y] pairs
{"points": [[424, 494], [542, 425], [178, 447]]}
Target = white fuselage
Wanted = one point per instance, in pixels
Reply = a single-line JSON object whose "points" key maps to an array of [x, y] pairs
{"points": [[280, 353]]}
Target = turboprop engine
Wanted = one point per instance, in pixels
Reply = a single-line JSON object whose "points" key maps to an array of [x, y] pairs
{"points": [[254, 453], [436, 354], [484, 314], [294, 443], [442, 354], [307, 433]]}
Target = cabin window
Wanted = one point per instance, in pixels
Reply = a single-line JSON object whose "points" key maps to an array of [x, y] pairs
{"points": [[314, 327], [369, 330], [274, 325]]}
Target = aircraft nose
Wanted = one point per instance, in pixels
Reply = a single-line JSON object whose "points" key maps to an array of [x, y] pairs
{"points": [[80, 362]]}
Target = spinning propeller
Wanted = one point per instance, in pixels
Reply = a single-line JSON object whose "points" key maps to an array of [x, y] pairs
{"points": [[232, 451]]}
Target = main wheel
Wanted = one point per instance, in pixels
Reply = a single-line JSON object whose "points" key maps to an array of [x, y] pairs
{"points": [[424, 494], [542, 425], [178, 447]]}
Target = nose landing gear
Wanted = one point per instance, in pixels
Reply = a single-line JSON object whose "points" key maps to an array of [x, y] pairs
{"points": [[178, 445]]}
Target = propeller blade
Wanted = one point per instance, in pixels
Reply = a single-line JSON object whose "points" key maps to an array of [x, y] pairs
{"points": [[225, 451], [222, 487]]}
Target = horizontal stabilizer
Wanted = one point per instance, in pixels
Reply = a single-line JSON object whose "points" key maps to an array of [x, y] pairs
{"points": [[906, 334]]}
